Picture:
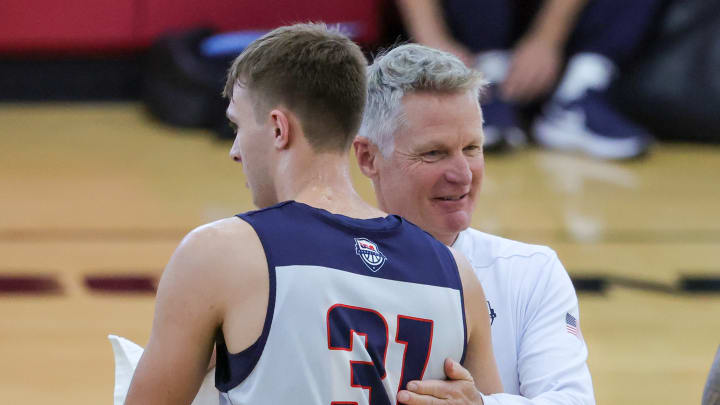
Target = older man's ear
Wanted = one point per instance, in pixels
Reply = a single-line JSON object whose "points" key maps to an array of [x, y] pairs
{"points": [[366, 153]]}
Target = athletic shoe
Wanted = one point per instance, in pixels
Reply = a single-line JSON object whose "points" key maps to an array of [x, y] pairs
{"points": [[590, 125]]}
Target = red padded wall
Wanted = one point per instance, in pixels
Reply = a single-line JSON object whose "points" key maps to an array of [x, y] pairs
{"points": [[28, 25], [98, 25]]}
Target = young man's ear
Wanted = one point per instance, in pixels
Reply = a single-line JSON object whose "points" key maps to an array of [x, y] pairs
{"points": [[281, 128], [367, 155]]}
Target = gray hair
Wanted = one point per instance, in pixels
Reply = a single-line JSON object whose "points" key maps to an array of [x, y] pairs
{"points": [[405, 69]]}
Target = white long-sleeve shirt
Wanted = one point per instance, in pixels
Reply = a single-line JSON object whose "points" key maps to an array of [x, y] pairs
{"points": [[538, 346]]}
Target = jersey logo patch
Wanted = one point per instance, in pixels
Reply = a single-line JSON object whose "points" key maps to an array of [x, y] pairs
{"points": [[370, 254]]}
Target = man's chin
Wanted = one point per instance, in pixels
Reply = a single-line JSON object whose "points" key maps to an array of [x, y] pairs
{"points": [[451, 225], [456, 222]]}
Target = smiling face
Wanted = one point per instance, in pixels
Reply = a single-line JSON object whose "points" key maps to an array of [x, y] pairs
{"points": [[252, 147], [436, 168]]}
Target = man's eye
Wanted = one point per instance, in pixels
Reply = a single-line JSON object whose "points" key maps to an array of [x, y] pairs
{"points": [[432, 155], [472, 149]]}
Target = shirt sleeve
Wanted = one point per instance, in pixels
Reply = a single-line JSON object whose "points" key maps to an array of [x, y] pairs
{"points": [[552, 354]]}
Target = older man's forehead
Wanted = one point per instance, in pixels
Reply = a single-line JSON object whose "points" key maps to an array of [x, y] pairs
{"points": [[430, 101]]}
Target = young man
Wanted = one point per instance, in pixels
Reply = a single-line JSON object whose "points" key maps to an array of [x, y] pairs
{"points": [[421, 144], [316, 298]]}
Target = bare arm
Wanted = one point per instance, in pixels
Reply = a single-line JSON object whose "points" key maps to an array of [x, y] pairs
{"points": [[425, 23], [556, 20], [537, 57], [187, 316], [217, 278]]}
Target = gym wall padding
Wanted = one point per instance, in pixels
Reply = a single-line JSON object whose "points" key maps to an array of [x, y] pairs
{"points": [[87, 26]]}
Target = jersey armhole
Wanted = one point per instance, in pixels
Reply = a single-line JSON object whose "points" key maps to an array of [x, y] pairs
{"points": [[233, 368], [456, 273]]}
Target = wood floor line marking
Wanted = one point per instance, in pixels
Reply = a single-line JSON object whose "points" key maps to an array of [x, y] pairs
{"points": [[92, 235], [549, 236], [14, 282]]}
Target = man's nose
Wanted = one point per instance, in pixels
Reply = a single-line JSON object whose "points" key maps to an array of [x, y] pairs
{"points": [[235, 153], [459, 171]]}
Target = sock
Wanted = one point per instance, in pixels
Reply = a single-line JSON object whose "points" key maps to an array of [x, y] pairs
{"points": [[584, 71], [494, 65]]}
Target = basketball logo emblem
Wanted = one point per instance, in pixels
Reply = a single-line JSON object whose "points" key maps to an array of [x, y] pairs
{"points": [[369, 253]]}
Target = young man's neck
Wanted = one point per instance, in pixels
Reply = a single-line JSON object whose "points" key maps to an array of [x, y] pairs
{"points": [[323, 181]]}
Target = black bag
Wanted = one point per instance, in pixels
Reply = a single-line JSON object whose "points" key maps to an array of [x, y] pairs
{"points": [[183, 86], [674, 88]]}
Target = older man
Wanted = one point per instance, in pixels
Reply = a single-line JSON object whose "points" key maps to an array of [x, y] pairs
{"points": [[421, 144]]}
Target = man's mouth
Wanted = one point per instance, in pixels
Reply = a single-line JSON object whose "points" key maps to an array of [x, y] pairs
{"points": [[452, 198]]}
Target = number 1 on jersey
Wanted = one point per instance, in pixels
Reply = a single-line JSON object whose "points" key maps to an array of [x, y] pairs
{"points": [[414, 333]]}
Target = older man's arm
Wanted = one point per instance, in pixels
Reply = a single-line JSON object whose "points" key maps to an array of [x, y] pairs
{"points": [[479, 358], [551, 362]]}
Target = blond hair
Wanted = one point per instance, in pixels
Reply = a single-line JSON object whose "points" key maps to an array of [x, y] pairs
{"points": [[316, 72]]}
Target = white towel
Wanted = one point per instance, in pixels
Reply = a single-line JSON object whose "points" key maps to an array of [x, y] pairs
{"points": [[127, 356]]}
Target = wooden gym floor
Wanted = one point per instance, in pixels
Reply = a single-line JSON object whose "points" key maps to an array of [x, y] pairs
{"points": [[94, 198]]}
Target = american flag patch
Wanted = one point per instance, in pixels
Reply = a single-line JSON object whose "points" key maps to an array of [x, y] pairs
{"points": [[571, 324]]}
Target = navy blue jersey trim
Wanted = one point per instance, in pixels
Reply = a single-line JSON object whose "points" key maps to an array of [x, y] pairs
{"points": [[291, 230], [389, 223], [233, 368]]}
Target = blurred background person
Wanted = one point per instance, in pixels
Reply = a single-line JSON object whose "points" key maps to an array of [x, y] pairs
{"points": [[711, 394], [563, 53]]}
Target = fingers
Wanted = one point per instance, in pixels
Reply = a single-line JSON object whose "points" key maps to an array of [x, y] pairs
{"points": [[528, 85], [454, 371], [512, 83], [533, 70], [444, 388], [525, 82], [411, 398], [435, 388], [435, 392], [441, 391]]}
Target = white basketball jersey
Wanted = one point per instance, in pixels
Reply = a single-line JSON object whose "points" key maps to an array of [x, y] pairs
{"points": [[357, 309]]}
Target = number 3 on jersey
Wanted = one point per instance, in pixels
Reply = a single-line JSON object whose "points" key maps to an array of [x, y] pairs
{"points": [[414, 333]]}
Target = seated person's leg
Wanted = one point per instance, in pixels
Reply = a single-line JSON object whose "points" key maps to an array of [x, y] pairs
{"points": [[578, 116], [488, 28]]}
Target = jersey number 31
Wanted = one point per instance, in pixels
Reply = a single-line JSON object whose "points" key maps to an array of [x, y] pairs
{"points": [[414, 333]]}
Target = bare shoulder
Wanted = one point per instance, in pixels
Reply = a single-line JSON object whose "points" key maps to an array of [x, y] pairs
{"points": [[230, 276], [216, 254], [220, 242], [218, 234]]}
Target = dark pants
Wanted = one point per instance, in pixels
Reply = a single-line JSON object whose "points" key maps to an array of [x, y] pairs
{"points": [[613, 28]]}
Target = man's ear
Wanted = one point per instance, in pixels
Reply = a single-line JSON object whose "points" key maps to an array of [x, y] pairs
{"points": [[367, 154], [281, 128]]}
